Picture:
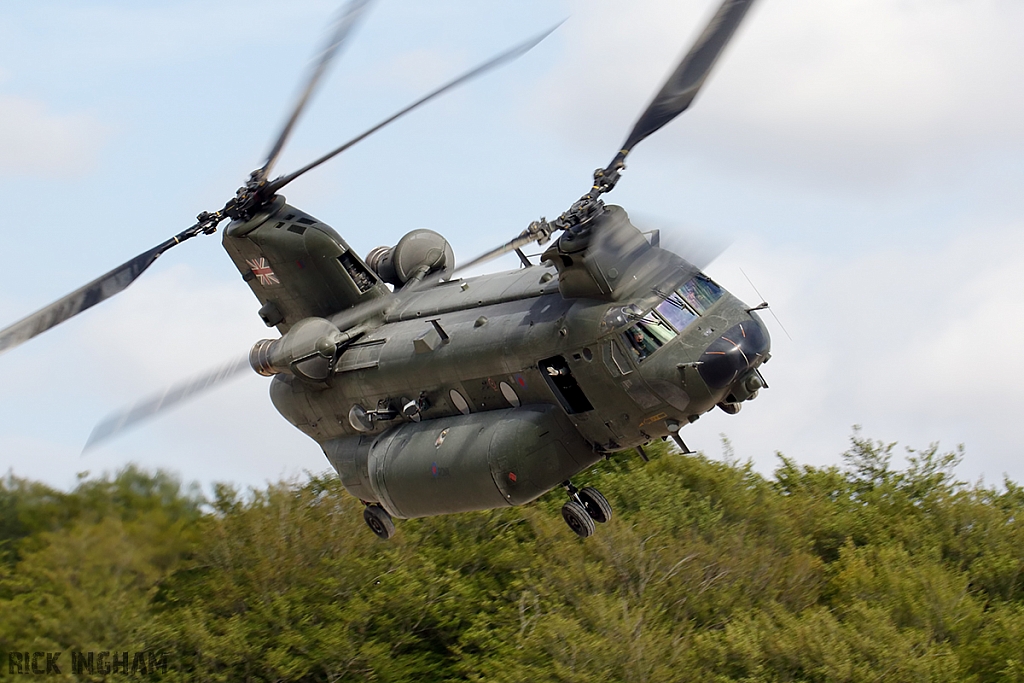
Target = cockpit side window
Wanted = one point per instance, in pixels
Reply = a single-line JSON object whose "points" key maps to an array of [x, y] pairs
{"points": [[639, 342], [701, 293], [657, 328], [676, 312], [647, 336]]}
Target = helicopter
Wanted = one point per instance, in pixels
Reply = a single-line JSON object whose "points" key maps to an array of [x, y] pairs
{"points": [[435, 394]]}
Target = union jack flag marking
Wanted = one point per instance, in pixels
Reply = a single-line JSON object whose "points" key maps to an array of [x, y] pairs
{"points": [[262, 270]]}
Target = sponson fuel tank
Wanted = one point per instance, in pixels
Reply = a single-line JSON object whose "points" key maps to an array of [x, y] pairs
{"points": [[478, 461]]}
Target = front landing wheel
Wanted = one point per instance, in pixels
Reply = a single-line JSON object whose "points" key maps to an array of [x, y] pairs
{"points": [[577, 518], [596, 505], [379, 521]]}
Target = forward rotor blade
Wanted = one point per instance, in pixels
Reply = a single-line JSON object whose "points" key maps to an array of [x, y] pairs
{"points": [[682, 86], [501, 250], [100, 289], [346, 19], [174, 395], [504, 57], [699, 247]]}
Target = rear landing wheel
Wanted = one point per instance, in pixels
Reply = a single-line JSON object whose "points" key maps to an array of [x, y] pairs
{"points": [[596, 505], [577, 518], [379, 521]]}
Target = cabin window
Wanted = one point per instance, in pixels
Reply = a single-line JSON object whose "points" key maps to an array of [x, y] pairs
{"points": [[701, 293], [676, 312], [459, 401]]}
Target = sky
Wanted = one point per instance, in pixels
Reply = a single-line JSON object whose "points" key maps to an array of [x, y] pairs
{"points": [[862, 158]]}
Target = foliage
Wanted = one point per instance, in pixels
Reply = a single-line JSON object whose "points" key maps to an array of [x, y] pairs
{"points": [[708, 572]]}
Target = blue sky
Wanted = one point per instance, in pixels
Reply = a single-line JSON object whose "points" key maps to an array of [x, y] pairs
{"points": [[863, 157]]}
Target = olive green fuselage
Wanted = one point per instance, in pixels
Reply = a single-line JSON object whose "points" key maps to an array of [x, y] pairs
{"points": [[495, 342]]}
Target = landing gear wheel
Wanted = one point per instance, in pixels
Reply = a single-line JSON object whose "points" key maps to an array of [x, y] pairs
{"points": [[596, 505], [379, 521], [577, 518]]}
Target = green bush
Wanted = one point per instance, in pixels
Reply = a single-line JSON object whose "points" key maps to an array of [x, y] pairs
{"points": [[708, 572]]}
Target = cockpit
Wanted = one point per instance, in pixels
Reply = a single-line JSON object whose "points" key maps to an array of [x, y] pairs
{"points": [[677, 310]]}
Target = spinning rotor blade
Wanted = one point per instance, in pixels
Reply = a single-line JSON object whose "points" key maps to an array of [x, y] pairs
{"points": [[100, 289], [346, 19], [503, 58], [698, 247], [119, 278], [148, 407], [501, 250], [682, 86], [675, 95]]}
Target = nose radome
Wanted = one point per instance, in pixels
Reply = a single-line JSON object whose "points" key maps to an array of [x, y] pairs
{"points": [[740, 348]]}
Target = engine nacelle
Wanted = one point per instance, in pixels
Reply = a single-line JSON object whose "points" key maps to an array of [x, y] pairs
{"points": [[306, 351], [416, 251], [469, 462]]}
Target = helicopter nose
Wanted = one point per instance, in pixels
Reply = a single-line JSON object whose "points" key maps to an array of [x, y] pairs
{"points": [[740, 348]]}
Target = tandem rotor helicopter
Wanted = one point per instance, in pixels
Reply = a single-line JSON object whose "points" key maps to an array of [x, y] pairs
{"points": [[433, 394]]}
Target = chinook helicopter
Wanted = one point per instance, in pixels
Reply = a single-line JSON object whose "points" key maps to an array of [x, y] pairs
{"points": [[433, 394]]}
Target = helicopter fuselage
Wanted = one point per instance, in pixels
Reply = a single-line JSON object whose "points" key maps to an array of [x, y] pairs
{"points": [[633, 362]]}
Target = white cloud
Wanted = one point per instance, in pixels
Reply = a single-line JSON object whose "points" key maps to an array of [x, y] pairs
{"points": [[170, 325], [918, 344], [36, 140], [872, 91]]}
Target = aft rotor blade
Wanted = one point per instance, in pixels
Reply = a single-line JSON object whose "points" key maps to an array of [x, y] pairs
{"points": [[174, 395], [682, 86], [346, 19], [504, 57], [85, 297], [100, 289]]}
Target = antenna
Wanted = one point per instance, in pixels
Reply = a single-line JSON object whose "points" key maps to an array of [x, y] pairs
{"points": [[764, 305]]}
